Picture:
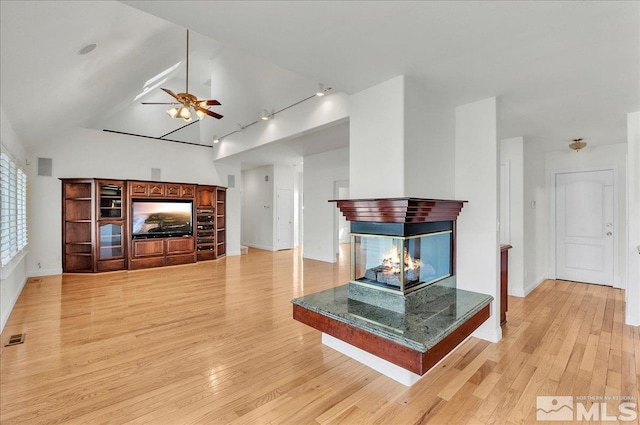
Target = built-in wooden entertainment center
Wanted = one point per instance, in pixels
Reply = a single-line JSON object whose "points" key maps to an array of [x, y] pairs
{"points": [[97, 223]]}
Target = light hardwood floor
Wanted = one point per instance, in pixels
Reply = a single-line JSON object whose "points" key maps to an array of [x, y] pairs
{"points": [[214, 343]]}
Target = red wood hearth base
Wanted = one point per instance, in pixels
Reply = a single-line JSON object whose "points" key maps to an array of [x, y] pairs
{"points": [[414, 361]]}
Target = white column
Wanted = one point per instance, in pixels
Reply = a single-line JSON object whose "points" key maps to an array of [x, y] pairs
{"points": [[376, 141], [633, 230], [476, 181], [512, 150]]}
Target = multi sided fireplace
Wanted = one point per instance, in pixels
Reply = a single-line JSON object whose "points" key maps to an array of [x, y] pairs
{"points": [[400, 258], [401, 311], [398, 246]]}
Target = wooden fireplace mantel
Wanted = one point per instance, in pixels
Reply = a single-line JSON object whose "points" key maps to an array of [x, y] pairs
{"points": [[399, 210]]}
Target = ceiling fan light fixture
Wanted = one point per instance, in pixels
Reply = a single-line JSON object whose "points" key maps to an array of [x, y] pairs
{"points": [[184, 112], [577, 144], [173, 112], [188, 100]]}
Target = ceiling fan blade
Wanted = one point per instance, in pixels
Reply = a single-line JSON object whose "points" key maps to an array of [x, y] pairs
{"points": [[172, 94], [161, 103], [208, 112], [209, 102]]}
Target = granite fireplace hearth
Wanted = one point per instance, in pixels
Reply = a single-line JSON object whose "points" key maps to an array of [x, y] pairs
{"points": [[401, 312]]}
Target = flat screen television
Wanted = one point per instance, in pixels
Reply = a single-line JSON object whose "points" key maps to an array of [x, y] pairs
{"points": [[161, 219]]}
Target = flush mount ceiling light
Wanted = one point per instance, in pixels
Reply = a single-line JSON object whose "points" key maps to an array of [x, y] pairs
{"points": [[186, 102], [577, 144], [87, 49]]}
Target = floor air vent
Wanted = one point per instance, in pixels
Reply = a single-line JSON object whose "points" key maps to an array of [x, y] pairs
{"points": [[15, 340]]}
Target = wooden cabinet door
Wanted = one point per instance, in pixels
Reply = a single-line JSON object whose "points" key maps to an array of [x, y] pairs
{"points": [[138, 189], [205, 197], [111, 195], [156, 189], [173, 190], [187, 190], [180, 246], [147, 248]]}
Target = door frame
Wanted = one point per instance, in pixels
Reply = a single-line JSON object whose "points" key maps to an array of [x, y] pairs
{"points": [[337, 184], [290, 245], [551, 190]]}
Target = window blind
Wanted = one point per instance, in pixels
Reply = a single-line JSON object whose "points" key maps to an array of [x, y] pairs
{"points": [[13, 209]]}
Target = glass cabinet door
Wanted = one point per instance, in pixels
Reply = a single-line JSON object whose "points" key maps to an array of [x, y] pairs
{"points": [[110, 240], [110, 198]]}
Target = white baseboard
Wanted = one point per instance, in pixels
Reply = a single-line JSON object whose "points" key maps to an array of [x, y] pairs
{"points": [[44, 272], [523, 292], [258, 246], [318, 258], [12, 303], [395, 372], [488, 332], [632, 319], [233, 253]]}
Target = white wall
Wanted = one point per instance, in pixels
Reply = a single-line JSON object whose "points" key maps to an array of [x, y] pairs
{"points": [[633, 248], [14, 274], [600, 157], [402, 146], [258, 208], [284, 178], [314, 113], [376, 140], [320, 173], [476, 181], [429, 161], [89, 153], [234, 201], [512, 151], [535, 219], [259, 204], [300, 208]]}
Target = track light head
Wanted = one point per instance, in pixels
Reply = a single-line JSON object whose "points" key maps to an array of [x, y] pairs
{"points": [[321, 90], [265, 115]]}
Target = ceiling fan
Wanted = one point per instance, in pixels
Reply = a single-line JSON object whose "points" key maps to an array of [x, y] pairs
{"points": [[186, 101]]}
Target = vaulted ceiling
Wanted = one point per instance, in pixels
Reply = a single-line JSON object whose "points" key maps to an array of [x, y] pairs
{"points": [[561, 69]]}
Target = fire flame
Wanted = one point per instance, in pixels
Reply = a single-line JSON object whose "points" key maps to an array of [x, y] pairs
{"points": [[392, 259]]}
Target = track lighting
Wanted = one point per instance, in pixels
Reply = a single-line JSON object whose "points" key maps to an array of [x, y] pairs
{"points": [[266, 115]]}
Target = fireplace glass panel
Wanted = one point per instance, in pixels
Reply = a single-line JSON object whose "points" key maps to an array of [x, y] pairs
{"points": [[377, 260]]}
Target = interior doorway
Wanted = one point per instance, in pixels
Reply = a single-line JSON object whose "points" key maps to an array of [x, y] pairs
{"points": [[341, 225], [585, 226]]}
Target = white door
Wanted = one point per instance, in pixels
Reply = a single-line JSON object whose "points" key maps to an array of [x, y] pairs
{"points": [[285, 219], [585, 227]]}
